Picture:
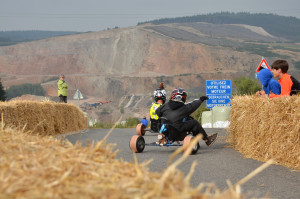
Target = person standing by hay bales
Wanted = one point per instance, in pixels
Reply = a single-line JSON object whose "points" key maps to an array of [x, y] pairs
{"points": [[289, 85], [62, 89], [270, 85]]}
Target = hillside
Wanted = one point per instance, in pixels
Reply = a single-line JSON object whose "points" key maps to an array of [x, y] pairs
{"points": [[124, 66], [279, 26]]}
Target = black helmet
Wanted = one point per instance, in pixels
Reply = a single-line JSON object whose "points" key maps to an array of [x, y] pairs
{"points": [[160, 94], [178, 95]]}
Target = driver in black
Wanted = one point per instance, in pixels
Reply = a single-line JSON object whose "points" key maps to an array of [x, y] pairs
{"points": [[176, 111]]}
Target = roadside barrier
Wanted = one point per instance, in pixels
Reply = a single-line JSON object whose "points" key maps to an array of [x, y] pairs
{"points": [[264, 129], [37, 166], [44, 118]]}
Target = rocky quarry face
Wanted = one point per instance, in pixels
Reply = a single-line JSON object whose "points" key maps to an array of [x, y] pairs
{"points": [[125, 66]]}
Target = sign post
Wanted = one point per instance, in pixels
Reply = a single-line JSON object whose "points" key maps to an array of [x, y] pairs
{"points": [[218, 92]]}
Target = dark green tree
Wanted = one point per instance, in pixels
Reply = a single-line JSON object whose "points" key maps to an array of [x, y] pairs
{"points": [[246, 86], [19, 90], [2, 92]]}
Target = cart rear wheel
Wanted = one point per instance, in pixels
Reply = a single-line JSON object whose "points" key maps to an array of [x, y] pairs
{"points": [[140, 129], [137, 144], [187, 141]]}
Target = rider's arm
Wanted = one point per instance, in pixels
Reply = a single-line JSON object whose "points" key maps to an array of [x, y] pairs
{"points": [[192, 106]]}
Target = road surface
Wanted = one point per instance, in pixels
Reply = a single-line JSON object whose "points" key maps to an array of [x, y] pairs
{"points": [[217, 163]]}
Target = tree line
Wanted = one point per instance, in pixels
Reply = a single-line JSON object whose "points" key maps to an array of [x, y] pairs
{"points": [[19, 90], [280, 26]]}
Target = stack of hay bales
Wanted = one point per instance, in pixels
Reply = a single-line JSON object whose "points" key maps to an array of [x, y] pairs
{"points": [[33, 166], [45, 118], [266, 129]]}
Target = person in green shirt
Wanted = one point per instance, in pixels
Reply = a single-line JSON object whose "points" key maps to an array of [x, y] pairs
{"points": [[62, 89]]}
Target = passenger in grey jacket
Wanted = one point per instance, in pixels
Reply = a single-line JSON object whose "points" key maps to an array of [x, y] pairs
{"points": [[176, 111]]}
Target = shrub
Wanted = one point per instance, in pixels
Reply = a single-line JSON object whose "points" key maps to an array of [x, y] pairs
{"points": [[246, 86], [2, 92], [19, 90]]}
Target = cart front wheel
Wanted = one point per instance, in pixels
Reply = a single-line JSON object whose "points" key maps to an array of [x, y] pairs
{"points": [[137, 144]]}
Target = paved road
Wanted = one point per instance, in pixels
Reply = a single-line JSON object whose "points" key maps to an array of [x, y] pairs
{"points": [[216, 163]]}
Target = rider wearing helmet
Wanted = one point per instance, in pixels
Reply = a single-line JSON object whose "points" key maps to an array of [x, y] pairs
{"points": [[178, 95], [160, 93], [160, 98], [176, 111]]}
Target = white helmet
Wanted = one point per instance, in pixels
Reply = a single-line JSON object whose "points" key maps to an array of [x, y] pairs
{"points": [[160, 94]]}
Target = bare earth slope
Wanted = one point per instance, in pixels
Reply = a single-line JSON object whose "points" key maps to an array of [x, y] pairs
{"points": [[132, 61]]}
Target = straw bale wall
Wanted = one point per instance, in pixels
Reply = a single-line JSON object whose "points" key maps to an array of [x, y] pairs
{"points": [[266, 129], [33, 166], [44, 118]]}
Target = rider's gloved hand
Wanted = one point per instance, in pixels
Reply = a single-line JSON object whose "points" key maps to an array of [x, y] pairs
{"points": [[203, 98]]}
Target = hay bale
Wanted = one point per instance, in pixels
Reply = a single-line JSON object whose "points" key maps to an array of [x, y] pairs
{"points": [[266, 129], [45, 118], [34, 166]]}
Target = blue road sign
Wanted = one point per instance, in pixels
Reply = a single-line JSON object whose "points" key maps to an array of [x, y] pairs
{"points": [[218, 92]]}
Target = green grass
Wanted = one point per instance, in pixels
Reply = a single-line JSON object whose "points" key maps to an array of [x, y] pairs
{"points": [[129, 123]]}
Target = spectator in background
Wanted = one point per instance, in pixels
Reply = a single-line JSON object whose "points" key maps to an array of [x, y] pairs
{"points": [[289, 85], [62, 89], [270, 85]]}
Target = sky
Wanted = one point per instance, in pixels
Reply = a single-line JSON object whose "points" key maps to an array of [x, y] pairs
{"points": [[97, 15]]}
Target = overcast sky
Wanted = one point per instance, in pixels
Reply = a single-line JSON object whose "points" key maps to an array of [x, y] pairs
{"points": [[96, 15]]}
